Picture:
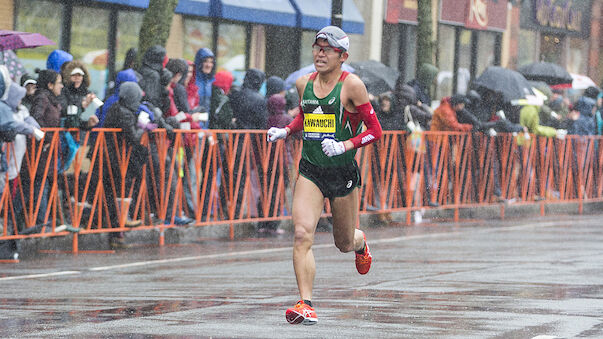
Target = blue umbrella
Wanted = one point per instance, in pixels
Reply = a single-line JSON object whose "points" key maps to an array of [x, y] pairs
{"points": [[290, 81]]}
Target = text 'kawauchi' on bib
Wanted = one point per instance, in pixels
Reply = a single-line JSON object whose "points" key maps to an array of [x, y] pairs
{"points": [[319, 126]]}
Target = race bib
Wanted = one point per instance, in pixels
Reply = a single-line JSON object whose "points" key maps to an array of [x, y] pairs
{"points": [[319, 126]]}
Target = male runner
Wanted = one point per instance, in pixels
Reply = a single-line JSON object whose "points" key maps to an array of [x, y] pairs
{"points": [[333, 106]]}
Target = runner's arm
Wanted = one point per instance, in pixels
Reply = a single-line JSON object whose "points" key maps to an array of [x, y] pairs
{"points": [[357, 95]]}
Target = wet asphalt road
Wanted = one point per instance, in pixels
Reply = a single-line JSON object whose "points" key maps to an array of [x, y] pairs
{"points": [[514, 279]]}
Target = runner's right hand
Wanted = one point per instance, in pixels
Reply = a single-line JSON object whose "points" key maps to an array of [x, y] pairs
{"points": [[275, 133]]}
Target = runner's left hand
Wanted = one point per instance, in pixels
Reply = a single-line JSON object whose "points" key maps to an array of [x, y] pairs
{"points": [[332, 147]]}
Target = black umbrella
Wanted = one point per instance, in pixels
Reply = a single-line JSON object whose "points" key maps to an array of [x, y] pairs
{"points": [[512, 85], [377, 77], [550, 73]]}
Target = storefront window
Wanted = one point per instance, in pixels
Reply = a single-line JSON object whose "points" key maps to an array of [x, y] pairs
{"points": [[464, 70], [577, 58], [198, 34], [390, 50], [528, 47], [307, 40], [89, 32], [551, 48], [485, 50], [38, 17], [445, 62], [128, 28], [231, 50]]}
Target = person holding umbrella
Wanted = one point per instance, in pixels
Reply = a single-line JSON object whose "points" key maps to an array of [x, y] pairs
{"points": [[334, 104]]}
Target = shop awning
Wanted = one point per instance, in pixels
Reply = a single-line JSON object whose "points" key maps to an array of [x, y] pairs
{"points": [[270, 12], [316, 14], [193, 7], [132, 3]]}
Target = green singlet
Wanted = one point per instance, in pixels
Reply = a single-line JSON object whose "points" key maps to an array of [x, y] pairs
{"points": [[326, 118]]}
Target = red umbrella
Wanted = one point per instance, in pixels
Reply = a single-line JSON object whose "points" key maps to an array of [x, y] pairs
{"points": [[16, 40]]}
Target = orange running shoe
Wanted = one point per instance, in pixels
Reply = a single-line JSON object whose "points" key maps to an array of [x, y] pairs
{"points": [[364, 260], [301, 314]]}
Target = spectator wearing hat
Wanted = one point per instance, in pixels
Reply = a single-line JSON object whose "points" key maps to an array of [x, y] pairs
{"points": [[151, 72], [76, 97], [445, 116], [30, 84], [274, 85]]}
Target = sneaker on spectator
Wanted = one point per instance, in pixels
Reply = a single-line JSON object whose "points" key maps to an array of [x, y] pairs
{"points": [[301, 314], [133, 223], [118, 243], [180, 221], [364, 260], [433, 204], [65, 227]]}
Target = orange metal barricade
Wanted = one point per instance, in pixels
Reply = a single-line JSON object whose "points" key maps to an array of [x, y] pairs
{"points": [[234, 176]]}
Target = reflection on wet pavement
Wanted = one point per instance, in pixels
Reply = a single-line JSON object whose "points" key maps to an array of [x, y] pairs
{"points": [[496, 281]]}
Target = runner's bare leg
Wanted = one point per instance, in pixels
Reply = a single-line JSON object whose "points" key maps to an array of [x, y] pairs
{"points": [[345, 218], [308, 203]]}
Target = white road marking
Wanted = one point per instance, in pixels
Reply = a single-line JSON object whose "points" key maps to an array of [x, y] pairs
{"points": [[41, 275], [282, 249]]}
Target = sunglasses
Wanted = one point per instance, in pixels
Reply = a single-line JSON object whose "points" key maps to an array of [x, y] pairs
{"points": [[326, 49]]}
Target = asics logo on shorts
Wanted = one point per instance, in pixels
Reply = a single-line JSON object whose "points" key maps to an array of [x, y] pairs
{"points": [[349, 184]]}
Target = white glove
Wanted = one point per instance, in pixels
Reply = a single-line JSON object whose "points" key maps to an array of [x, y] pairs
{"points": [[501, 114], [492, 132], [561, 133], [38, 134], [526, 136], [275, 133], [144, 118], [332, 147]]}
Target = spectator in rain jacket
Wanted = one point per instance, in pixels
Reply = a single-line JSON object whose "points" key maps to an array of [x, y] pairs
{"points": [[152, 66], [426, 75], [405, 95], [122, 77], [24, 125], [7, 122], [248, 106], [56, 59], [204, 78], [75, 96], [445, 116], [581, 118], [123, 114], [220, 111], [30, 84], [179, 69], [530, 118]]}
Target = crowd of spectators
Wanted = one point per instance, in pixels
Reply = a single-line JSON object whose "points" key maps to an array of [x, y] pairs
{"points": [[170, 94]]}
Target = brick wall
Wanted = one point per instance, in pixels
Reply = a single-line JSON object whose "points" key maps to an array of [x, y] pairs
{"points": [[6, 13]]}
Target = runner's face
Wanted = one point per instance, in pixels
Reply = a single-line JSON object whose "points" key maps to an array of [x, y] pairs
{"points": [[325, 58]]}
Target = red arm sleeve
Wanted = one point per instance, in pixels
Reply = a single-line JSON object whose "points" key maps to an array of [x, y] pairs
{"points": [[373, 127], [298, 122]]}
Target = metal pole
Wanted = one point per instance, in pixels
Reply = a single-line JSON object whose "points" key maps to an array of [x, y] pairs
{"points": [[337, 13]]}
